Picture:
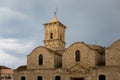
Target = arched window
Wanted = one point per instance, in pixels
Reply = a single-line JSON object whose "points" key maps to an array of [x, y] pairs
{"points": [[102, 77], [39, 78], [40, 59], [51, 35], [77, 55], [57, 78], [23, 78]]}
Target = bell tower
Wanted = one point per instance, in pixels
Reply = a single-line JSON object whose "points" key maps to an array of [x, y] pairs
{"points": [[54, 34]]}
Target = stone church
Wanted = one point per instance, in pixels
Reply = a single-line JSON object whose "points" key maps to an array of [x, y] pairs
{"points": [[80, 61]]}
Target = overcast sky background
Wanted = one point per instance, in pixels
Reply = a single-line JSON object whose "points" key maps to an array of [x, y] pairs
{"points": [[21, 24]]}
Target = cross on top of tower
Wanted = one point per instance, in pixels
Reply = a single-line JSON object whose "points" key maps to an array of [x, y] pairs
{"points": [[55, 13]]}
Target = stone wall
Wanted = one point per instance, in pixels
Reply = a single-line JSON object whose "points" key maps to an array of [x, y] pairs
{"points": [[33, 59], [87, 56], [110, 73], [112, 55], [57, 61], [46, 74], [6, 74]]}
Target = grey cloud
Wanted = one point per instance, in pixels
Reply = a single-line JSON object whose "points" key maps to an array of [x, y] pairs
{"points": [[91, 21], [95, 16]]}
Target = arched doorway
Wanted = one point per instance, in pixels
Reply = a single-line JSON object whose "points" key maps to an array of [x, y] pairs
{"points": [[102, 77]]}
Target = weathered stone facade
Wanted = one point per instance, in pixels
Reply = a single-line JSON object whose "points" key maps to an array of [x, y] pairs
{"points": [[80, 61], [6, 73]]}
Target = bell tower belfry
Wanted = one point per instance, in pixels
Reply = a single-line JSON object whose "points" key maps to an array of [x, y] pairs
{"points": [[54, 34]]}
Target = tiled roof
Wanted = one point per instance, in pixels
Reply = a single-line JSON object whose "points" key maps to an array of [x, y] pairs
{"points": [[4, 67], [23, 67]]}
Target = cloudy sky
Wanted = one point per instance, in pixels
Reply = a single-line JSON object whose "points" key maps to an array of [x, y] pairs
{"points": [[21, 24]]}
